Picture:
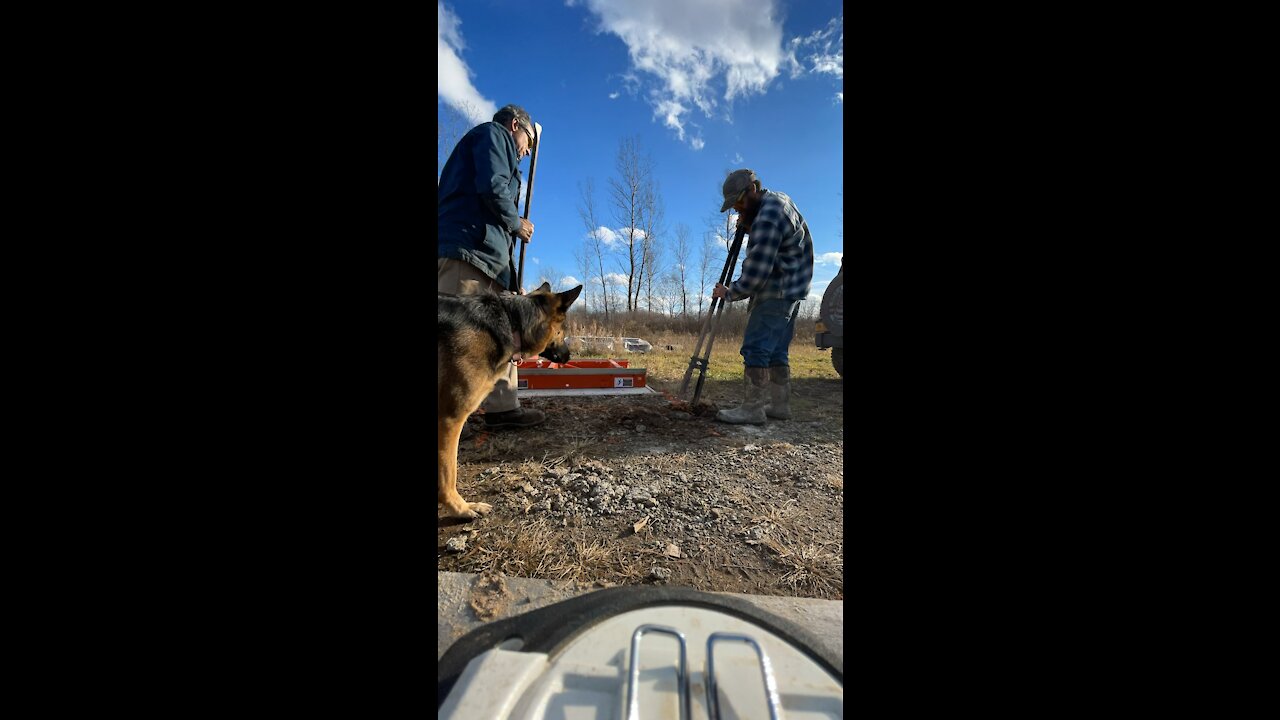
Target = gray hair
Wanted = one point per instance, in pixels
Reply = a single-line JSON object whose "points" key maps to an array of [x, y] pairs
{"points": [[510, 112]]}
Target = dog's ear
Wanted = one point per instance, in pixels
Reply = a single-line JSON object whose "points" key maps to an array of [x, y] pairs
{"points": [[568, 296], [544, 287]]}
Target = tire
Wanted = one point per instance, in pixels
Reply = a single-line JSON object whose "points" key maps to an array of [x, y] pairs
{"points": [[837, 360]]}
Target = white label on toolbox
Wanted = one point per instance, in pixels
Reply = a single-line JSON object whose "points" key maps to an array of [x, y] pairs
{"points": [[624, 382]]}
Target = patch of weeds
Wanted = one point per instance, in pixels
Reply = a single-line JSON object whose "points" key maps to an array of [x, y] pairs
{"points": [[815, 571]]}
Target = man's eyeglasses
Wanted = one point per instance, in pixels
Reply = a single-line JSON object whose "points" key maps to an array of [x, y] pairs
{"points": [[529, 133]]}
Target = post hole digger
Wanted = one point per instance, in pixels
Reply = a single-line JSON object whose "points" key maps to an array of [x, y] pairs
{"points": [[712, 323], [528, 200], [776, 275]]}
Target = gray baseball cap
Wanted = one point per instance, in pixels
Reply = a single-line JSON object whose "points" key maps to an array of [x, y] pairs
{"points": [[735, 185]]}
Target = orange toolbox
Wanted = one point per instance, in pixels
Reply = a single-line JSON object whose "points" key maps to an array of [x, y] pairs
{"points": [[579, 374]]}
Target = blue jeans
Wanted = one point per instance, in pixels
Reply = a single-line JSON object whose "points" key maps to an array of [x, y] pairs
{"points": [[768, 335]]}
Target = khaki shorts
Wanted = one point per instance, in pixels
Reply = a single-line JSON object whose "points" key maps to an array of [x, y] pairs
{"points": [[455, 277], [462, 278]]}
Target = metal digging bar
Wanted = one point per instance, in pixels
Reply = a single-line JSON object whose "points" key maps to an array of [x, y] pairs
{"points": [[714, 311], [528, 199]]}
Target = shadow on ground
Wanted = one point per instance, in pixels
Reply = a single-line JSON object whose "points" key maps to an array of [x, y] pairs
{"points": [[618, 426]]}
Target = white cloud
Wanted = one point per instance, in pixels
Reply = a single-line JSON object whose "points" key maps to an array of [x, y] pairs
{"points": [[694, 54], [605, 235], [823, 274], [670, 111], [453, 77], [567, 282], [737, 158], [535, 260], [614, 95], [614, 279], [831, 258], [612, 238], [698, 143], [840, 97], [822, 50], [830, 64]]}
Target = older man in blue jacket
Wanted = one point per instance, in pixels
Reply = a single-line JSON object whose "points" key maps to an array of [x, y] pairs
{"points": [[478, 222]]}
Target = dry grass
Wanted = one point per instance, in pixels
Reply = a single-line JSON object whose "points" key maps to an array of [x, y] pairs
{"points": [[491, 446], [777, 514], [814, 570], [582, 561], [810, 568], [736, 496], [533, 548], [529, 469], [531, 551], [668, 366], [732, 321]]}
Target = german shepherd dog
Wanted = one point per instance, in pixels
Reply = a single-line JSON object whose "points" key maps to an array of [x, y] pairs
{"points": [[478, 335]]}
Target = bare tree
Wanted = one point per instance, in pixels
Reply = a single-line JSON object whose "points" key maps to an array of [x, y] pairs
{"points": [[451, 124], [673, 290], [583, 257], [680, 270], [651, 263], [549, 275], [614, 288], [636, 209], [715, 251], [594, 249], [728, 228], [652, 216], [711, 250]]}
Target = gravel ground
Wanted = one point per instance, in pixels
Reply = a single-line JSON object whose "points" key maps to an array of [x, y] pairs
{"points": [[645, 489]]}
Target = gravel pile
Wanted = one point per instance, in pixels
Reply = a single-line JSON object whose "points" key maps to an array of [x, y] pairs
{"points": [[703, 497]]}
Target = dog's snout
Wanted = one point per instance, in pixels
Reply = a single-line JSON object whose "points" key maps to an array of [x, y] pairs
{"points": [[556, 353]]}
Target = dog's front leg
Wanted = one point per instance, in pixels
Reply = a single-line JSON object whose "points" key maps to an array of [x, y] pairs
{"points": [[447, 432]]}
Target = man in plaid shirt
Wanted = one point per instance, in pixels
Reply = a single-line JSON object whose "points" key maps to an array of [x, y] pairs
{"points": [[776, 273]]}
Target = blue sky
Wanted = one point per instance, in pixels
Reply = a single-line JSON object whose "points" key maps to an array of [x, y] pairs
{"points": [[706, 86]]}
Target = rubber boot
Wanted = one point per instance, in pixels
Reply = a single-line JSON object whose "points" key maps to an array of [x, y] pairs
{"points": [[751, 411], [779, 405]]}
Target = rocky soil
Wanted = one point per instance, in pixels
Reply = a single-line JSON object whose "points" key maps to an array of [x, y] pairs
{"points": [[645, 489]]}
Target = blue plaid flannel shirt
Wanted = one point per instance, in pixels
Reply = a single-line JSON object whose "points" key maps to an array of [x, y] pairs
{"points": [[779, 261]]}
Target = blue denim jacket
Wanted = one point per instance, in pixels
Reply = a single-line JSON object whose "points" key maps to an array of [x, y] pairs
{"points": [[478, 193]]}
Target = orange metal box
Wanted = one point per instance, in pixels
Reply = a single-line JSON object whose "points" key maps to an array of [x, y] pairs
{"points": [[579, 374]]}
